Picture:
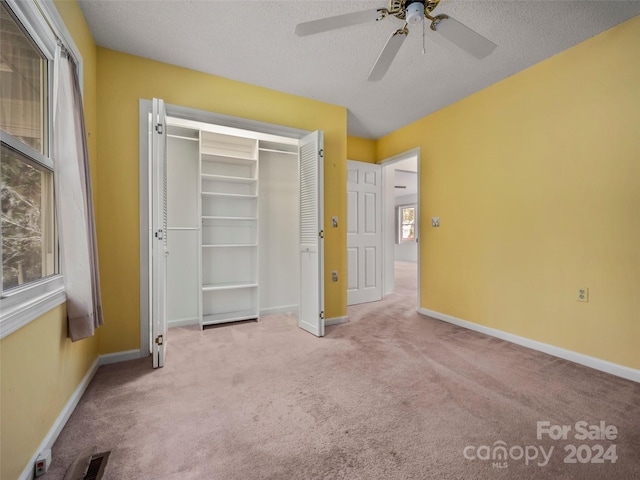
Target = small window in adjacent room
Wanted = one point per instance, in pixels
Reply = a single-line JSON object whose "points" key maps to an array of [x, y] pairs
{"points": [[406, 223]]}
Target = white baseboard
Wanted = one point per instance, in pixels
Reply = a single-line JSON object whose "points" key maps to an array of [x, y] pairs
{"points": [[118, 357], [63, 417], [183, 322], [281, 309], [61, 421], [586, 360], [335, 321]]}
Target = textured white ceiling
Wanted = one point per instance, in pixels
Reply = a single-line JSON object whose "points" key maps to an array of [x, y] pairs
{"points": [[253, 41]]}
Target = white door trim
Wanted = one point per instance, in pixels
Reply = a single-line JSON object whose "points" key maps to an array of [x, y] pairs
{"points": [[388, 239], [144, 110]]}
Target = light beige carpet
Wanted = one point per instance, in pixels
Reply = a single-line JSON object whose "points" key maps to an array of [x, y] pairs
{"points": [[389, 395]]}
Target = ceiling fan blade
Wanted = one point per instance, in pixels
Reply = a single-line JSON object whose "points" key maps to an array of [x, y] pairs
{"points": [[462, 36], [339, 21], [387, 55]]}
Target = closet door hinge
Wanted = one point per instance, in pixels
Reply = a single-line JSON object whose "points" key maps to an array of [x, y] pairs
{"points": [[321, 153], [160, 340], [321, 233], [159, 234], [322, 315], [159, 128]]}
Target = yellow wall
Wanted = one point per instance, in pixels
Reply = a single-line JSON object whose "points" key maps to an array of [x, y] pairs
{"points": [[123, 80], [40, 367], [536, 182], [361, 149]]}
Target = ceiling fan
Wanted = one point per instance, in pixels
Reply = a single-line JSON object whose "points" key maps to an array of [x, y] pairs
{"points": [[412, 12]]}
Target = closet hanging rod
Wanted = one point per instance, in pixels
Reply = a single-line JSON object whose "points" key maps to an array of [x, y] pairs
{"points": [[273, 150], [182, 137]]}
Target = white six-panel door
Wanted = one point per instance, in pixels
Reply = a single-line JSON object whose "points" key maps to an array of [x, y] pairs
{"points": [[364, 234]]}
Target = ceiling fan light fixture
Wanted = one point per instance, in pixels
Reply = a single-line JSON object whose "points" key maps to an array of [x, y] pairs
{"points": [[412, 12], [415, 13]]}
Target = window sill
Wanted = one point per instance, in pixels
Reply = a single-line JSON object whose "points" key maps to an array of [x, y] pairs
{"points": [[22, 308]]}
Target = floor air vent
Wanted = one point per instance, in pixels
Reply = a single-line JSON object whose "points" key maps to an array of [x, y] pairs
{"points": [[88, 465], [96, 466]]}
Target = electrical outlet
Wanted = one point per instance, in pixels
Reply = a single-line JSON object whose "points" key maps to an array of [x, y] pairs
{"points": [[42, 463], [334, 276], [435, 221], [583, 294]]}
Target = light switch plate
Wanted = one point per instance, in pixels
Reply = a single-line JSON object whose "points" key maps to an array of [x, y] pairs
{"points": [[435, 221]]}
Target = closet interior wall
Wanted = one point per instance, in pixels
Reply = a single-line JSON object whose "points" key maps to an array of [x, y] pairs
{"points": [[183, 224], [279, 213]]}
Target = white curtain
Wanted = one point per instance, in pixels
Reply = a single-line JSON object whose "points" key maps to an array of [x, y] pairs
{"points": [[74, 203]]}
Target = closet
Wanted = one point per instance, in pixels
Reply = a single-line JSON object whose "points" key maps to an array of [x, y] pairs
{"points": [[233, 224]]}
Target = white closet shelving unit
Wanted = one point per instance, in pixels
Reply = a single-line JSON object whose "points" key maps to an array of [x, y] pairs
{"points": [[229, 231]]}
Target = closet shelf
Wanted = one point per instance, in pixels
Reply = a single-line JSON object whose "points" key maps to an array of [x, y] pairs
{"points": [[224, 178], [213, 218], [228, 286], [231, 195], [229, 245], [220, 158], [229, 317]]}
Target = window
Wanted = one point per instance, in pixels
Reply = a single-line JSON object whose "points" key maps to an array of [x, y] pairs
{"points": [[406, 223], [28, 236], [31, 284], [23, 89]]}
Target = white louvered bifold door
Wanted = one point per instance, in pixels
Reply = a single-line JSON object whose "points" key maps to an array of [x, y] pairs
{"points": [[311, 317], [158, 238]]}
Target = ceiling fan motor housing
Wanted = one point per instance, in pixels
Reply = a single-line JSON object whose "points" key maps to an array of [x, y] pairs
{"points": [[415, 11]]}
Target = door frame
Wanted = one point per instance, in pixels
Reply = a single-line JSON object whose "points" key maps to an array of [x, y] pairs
{"points": [[186, 113], [388, 224]]}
